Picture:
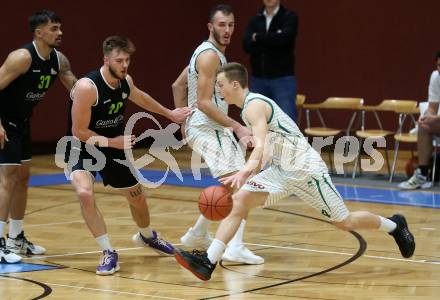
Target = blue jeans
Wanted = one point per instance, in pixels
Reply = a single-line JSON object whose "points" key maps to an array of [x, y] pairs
{"points": [[282, 90]]}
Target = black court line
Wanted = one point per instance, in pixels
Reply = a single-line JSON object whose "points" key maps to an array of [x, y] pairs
{"points": [[132, 278], [47, 290], [359, 253], [49, 207]]}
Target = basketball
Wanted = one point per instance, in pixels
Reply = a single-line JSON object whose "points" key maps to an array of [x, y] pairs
{"points": [[215, 203], [410, 165]]}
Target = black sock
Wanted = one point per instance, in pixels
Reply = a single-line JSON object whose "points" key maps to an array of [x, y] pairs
{"points": [[424, 170]]}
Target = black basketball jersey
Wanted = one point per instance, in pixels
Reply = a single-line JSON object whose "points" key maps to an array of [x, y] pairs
{"points": [[18, 99], [107, 118]]}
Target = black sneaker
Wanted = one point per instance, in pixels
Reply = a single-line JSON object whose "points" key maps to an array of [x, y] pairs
{"points": [[402, 236], [197, 262]]}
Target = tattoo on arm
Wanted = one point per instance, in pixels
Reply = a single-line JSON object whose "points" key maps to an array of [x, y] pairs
{"points": [[136, 192], [67, 77]]}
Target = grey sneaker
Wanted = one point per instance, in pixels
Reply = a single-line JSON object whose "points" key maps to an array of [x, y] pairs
{"points": [[7, 256], [21, 245], [417, 181], [196, 241]]}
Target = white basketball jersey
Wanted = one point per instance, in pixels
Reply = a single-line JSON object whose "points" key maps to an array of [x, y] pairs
{"points": [[198, 117], [287, 145]]}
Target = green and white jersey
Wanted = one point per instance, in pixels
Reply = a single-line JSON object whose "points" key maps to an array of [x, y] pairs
{"points": [[288, 147], [198, 118]]}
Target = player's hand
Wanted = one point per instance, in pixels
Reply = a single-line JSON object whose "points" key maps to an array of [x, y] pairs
{"points": [[3, 137], [122, 142], [244, 136], [179, 114], [236, 180], [429, 122]]}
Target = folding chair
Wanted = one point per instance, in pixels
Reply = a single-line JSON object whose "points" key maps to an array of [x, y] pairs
{"points": [[332, 103], [300, 99], [387, 105], [411, 136]]}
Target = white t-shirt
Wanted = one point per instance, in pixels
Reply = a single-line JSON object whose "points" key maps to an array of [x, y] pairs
{"points": [[269, 18], [434, 87]]}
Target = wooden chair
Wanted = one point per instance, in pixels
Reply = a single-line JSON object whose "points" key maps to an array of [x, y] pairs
{"points": [[387, 105], [300, 99], [403, 136], [411, 136], [332, 103]]}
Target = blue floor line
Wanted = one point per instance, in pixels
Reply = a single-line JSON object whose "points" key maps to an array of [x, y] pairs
{"points": [[355, 193]]}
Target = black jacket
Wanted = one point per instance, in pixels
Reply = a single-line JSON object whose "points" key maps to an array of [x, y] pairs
{"points": [[272, 55]]}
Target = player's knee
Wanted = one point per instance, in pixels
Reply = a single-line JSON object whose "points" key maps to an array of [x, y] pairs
{"points": [[138, 201], [10, 177], [239, 207], [23, 177], [346, 225], [85, 196]]}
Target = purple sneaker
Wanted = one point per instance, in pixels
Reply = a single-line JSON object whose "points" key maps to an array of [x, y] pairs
{"points": [[109, 263], [159, 245]]}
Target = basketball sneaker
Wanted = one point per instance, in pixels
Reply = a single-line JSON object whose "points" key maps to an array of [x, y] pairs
{"points": [[7, 256], [241, 254], [108, 264], [159, 245], [21, 245], [402, 236], [196, 262], [417, 181], [198, 241]]}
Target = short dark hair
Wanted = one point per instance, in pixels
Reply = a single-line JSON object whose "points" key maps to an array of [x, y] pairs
{"points": [[224, 8], [42, 17], [118, 42], [437, 55], [235, 72]]}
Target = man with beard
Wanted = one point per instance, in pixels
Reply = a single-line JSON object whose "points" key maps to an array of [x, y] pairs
{"points": [[97, 119], [208, 128], [25, 76]]}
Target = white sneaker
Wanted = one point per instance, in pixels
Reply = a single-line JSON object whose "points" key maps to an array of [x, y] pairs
{"points": [[196, 241], [7, 256], [242, 254], [21, 245], [417, 181]]}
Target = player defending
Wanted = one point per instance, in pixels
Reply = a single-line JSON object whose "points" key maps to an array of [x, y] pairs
{"points": [[296, 168], [98, 105], [208, 128], [25, 77]]}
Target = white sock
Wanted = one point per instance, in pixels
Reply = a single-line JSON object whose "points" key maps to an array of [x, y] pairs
{"points": [[215, 251], [15, 228], [104, 242], [2, 228], [201, 226], [386, 224], [146, 232], [237, 239]]}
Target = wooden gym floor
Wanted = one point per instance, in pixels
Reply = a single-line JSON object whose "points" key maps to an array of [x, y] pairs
{"points": [[306, 258]]}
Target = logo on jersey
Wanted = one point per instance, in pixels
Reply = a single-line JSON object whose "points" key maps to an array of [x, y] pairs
{"points": [[107, 101], [34, 96], [257, 185], [110, 122], [53, 72], [124, 95], [325, 213], [36, 71]]}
